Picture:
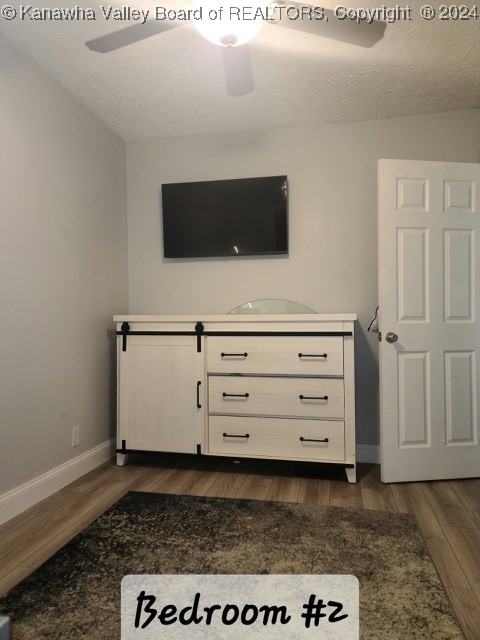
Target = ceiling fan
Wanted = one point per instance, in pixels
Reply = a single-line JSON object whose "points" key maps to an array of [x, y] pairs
{"points": [[232, 31]]}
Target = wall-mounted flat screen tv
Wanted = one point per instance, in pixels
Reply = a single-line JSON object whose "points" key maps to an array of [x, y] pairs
{"points": [[217, 218]]}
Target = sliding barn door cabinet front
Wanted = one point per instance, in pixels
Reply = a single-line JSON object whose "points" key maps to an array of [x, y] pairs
{"points": [[278, 387]]}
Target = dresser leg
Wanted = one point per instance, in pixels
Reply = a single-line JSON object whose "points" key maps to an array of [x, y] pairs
{"points": [[121, 459], [351, 474]]}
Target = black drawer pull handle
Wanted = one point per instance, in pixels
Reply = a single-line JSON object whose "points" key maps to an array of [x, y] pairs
{"points": [[313, 397], [234, 435], [199, 406], [235, 395], [302, 439], [313, 355], [234, 355]]}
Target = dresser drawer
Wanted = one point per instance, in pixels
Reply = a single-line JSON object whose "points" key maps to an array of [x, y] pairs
{"points": [[277, 438], [280, 396], [275, 355]]}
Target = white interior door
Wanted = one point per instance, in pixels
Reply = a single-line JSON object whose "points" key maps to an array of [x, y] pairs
{"points": [[429, 236]]}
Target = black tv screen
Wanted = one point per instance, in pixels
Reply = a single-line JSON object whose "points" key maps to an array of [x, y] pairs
{"points": [[225, 218]]}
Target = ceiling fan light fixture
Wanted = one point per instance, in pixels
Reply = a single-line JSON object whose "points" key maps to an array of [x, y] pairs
{"points": [[229, 40], [229, 23]]}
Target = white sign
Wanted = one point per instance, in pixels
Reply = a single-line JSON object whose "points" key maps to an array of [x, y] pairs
{"points": [[320, 607]]}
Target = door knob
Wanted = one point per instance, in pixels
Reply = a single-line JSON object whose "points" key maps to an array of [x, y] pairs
{"points": [[391, 337]]}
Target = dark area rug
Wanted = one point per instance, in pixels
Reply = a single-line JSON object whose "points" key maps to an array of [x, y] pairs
{"points": [[76, 594]]}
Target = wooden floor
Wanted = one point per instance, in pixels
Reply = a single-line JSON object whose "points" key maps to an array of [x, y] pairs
{"points": [[447, 512]]}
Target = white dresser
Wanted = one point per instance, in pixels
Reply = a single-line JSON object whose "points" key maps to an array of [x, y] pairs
{"points": [[276, 387]]}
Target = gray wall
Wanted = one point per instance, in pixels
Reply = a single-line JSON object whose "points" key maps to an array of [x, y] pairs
{"points": [[332, 264], [63, 271]]}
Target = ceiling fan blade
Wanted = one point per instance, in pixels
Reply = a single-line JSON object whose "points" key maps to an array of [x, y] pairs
{"points": [[361, 34], [237, 66], [131, 34]]}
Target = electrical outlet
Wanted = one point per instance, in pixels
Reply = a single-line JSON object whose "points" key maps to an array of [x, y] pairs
{"points": [[75, 436]]}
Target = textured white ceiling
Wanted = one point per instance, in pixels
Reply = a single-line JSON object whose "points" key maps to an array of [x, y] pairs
{"points": [[173, 84]]}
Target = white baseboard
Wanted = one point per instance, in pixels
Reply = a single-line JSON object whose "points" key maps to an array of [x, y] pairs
{"points": [[368, 453], [26, 495]]}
